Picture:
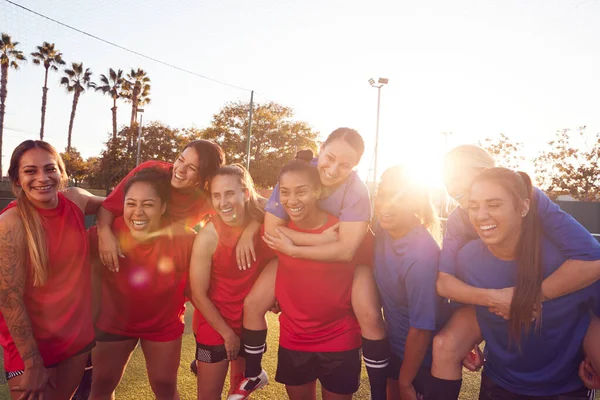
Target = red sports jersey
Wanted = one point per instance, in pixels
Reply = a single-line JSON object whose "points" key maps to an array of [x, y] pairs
{"points": [[315, 300], [190, 208], [228, 284], [145, 298], [61, 310]]}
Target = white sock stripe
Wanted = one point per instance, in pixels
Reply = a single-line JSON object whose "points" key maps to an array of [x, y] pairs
{"points": [[368, 360], [254, 351], [376, 365], [262, 346]]}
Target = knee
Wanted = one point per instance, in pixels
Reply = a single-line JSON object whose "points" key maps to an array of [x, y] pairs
{"points": [[444, 348], [254, 305], [370, 321], [164, 388]]}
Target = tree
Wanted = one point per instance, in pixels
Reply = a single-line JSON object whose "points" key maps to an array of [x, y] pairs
{"points": [[75, 81], [508, 154], [568, 168], [9, 58], [76, 167], [160, 142], [50, 58], [136, 90], [275, 137], [112, 85]]}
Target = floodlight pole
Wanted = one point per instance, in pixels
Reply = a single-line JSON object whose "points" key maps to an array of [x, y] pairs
{"points": [[249, 131], [139, 139], [381, 82]]}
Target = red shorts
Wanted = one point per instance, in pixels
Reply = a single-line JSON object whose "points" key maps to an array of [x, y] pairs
{"points": [[207, 335]]}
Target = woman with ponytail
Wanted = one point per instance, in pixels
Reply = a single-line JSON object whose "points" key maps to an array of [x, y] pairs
{"points": [[525, 358], [462, 165], [407, 233], [345, 196], [46, 327]]}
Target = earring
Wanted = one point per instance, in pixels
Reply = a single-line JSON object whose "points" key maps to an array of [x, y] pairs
{"points": [[523, 215]]}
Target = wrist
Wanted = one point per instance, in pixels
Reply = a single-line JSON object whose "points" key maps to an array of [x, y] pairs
{"points": [[33, 361], [404, 383], [491, 299]]}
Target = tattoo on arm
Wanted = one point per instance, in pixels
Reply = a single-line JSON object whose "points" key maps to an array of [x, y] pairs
{"points": [[13, 277]]}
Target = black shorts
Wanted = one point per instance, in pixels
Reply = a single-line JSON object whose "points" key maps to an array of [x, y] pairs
{"points": [[490, 390], [13, 374], [103, 336], [338, 372], [211, 354], [421, 380]]}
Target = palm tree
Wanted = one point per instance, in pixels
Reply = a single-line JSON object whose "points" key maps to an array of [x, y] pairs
{"points": [[9, 58], [76, 80], [50, 58], [136, 90], [112, 85]]}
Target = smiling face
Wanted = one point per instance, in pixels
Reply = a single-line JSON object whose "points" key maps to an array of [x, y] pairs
{"points": [[143, 210], [336, 161], [298, 196], [229, 198], [393, 206], [39, 177], [458, 180], [186, 170], [494, 214]]}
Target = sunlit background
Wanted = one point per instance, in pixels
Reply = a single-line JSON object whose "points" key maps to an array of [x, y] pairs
{"points": [[471, 69]]}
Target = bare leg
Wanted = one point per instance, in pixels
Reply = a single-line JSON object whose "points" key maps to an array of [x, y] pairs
{"points": [[109, 360], [260, 299], [303, 392], [453, 343], [162, 362], [211, 378]]}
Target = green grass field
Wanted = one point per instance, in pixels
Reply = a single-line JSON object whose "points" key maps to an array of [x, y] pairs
{"points": [[135, 384]]}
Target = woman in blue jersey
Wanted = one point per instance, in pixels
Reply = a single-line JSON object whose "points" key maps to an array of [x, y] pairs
{"points": [[407, 232], [346, 197], [525, 358], [581, 251]]}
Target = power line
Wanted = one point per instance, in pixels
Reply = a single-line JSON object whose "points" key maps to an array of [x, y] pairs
{"points": [[127, 49]]}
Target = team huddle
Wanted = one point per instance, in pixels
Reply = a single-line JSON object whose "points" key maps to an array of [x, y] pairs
{"points": [[388, 290]]}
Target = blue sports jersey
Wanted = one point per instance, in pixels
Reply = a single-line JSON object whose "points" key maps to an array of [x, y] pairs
{"points": [[405, 272], [349, 202], [548, 360], [569, 236]]}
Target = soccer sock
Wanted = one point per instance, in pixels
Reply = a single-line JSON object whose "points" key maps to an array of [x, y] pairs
{"points": [[376, 354], [254, 346], [442, 389]]}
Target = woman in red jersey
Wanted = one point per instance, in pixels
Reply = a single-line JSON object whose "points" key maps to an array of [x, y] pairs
{"points": [[320, 337], [46, 327], [145, 300], [218, 286], [188, 201]]}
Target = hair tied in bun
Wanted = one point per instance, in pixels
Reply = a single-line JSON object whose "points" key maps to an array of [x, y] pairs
{"points": [[305, 155]]}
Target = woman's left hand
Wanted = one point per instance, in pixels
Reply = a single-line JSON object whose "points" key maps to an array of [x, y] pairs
{"points": [[244, 251], [281, 243]]}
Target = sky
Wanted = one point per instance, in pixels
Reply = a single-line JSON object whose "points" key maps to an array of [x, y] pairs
{"points": [[474, 68]]}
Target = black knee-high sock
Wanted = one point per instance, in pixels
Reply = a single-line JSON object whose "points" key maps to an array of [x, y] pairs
{"points": [[442, 389], [255, 343], [376, 354]]}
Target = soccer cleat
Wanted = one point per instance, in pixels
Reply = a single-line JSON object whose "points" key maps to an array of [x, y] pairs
{"points": [[248, 385]]}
